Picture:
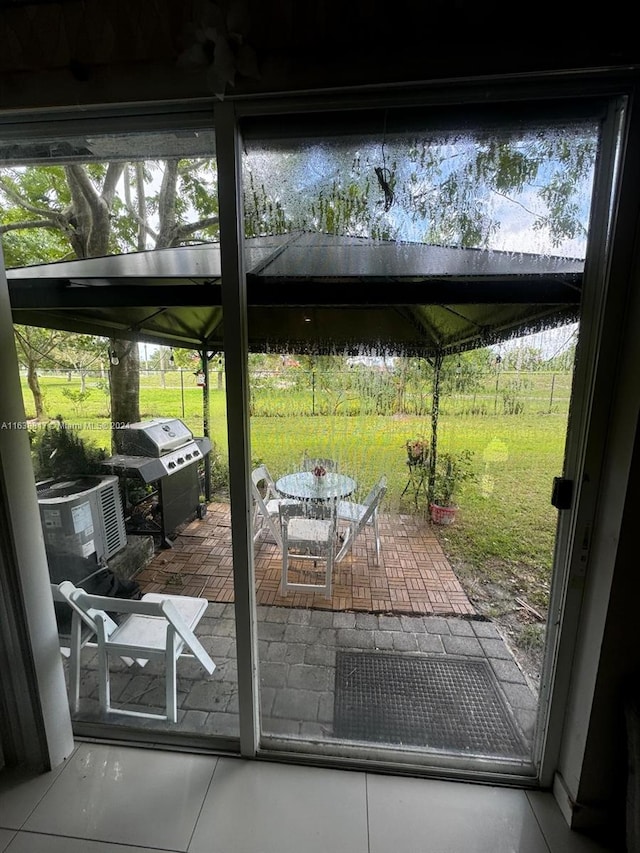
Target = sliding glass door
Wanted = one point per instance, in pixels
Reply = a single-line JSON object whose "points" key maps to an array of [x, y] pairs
{"points": [[411, 302], [415, 286]]}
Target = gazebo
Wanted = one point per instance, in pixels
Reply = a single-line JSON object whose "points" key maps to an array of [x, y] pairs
{"points": [[308, 293]]}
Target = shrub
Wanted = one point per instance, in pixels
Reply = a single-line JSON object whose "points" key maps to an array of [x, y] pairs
{"points": [[452, 470], [59, 452], [219, 477]]}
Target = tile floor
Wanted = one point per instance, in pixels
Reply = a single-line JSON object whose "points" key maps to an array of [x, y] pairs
{"points": [[414, 576], [121, 799]]}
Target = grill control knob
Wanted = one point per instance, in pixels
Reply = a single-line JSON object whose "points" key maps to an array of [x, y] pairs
{"points": [[180, 460], [196, 453], [187, 456], [171, 465]]}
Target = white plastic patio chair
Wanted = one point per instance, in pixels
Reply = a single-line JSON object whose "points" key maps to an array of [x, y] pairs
{"points": [[157, 627], [358, 516], [266, 506], [308, 538]]}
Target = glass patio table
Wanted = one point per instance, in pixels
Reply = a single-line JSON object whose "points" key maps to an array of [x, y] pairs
{"points": [[305, 486]]}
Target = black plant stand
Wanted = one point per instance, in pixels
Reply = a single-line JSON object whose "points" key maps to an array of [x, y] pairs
{"points": [[418, 480]]}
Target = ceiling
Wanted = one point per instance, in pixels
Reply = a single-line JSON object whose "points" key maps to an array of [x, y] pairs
{"points": [[110, 51], [307, 293]]}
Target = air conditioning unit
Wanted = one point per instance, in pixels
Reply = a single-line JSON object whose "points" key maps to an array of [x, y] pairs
{"points": [[82, 517]]}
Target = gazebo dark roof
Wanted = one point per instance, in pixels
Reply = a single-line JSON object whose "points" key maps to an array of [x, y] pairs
{"points": [[391, 296]]}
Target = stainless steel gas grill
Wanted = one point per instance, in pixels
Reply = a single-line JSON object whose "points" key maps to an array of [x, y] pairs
{"points": [[162, 452]]}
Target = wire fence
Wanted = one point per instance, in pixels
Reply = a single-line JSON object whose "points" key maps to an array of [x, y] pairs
{"points": [[330, 393], [282, 393]]}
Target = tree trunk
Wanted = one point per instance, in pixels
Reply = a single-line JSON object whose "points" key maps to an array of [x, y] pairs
{"points": [[125, 386], [34, 386]]}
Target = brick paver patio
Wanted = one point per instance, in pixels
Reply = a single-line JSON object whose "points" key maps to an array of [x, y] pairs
{"points": [[414, 576]]}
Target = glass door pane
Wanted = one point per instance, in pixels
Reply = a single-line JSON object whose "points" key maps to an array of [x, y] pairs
{"points": [[414, 299], [123, 369]]}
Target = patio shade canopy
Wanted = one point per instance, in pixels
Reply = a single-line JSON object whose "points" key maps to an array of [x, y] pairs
{"points": [[307, 293]]}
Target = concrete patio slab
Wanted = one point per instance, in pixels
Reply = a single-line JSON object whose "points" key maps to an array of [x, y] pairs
{"points": [[297, 654]]}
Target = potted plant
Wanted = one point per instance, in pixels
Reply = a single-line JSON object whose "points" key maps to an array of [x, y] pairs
{"points": [[452, 470], [417, 451]]}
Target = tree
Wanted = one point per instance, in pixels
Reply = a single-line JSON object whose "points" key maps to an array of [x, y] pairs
{"points": [[523, 357], [82, 353], [35, 347], [98, 209], [53, 349]]}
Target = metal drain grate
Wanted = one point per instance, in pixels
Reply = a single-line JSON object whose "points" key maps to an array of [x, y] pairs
{"points": [[434, 702]]}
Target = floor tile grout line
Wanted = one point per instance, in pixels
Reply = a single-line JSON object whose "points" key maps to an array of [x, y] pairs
{"points": [[56, 775], [366, 810], [204, 800], [124, 844], [538, 823]]}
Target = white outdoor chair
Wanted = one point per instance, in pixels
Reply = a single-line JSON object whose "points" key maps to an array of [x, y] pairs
{"points": [[78, 635], [267, 506], [358, 516], [157, 627], [307, 538]]}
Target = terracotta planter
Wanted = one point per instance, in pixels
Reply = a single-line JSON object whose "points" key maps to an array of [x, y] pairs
{"points": [[442, 514]]}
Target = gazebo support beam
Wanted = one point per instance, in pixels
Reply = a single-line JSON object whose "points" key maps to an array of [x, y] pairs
{"points": [[206, 413], [435, 411]]}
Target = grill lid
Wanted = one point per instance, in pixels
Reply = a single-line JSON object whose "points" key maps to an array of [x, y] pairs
{"points": [[153, 438]]}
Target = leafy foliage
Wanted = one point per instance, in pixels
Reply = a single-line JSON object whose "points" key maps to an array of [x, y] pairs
{"points": [[53, 212], [452, 471], [442, 189], [59, 452]]}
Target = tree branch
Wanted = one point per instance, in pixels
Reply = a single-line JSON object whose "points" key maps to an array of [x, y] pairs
{"points": [[142, 207], [93, 208], [140, 215], [167, 204], [181, 232], [114, 172], [35, 223], [79, 179], [518, 204], [20, 201], [48, 342]]}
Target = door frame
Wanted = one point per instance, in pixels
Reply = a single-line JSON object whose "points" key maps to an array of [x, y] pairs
{"points": [[574, 607]]}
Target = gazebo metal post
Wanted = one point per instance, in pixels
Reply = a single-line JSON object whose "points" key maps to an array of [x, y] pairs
{"points": [[205, 423], [435, 411]]}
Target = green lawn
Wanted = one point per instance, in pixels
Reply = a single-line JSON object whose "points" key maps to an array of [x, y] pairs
{"points": [[505, 516], [505, 525]]}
